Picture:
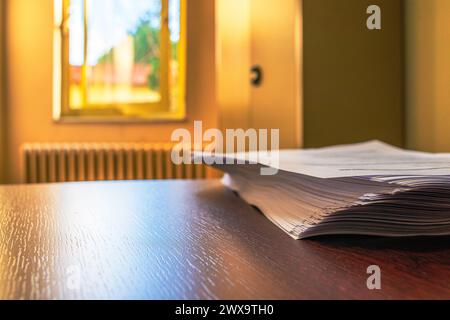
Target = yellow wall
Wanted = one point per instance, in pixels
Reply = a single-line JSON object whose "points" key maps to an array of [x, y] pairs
{"points": [[233, 33], [428, 74], [29, 52], [353, 77]]}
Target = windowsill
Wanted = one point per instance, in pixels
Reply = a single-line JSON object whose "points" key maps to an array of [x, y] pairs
{"points": [[119, 119]]}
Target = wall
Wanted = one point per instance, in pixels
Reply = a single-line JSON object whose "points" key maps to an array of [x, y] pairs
{"points": [[353, 77], [233, 32], [29, 54], [428, 74]]}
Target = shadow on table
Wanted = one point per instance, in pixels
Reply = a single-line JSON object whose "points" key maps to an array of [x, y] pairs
{"points": [[412, 244]]}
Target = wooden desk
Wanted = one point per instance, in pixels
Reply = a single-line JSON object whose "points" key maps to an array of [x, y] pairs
{"points": [[190, 240]]}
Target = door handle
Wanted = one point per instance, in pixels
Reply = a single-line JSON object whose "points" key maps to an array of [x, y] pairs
{"points": [[256, 74]]}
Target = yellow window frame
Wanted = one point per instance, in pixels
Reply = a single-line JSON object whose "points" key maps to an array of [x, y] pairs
{"points": [[164, 110]]}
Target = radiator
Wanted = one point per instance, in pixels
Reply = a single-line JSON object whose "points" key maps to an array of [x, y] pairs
{"points": [[48, 163]]}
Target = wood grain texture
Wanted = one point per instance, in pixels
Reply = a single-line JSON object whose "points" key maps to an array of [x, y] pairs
{"points": [[190, 240]]}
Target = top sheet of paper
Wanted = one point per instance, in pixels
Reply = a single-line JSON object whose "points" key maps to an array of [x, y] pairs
{"points": [[364, 159]]}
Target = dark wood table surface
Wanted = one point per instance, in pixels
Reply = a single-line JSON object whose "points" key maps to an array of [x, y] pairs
{"points": [[191, 240]]}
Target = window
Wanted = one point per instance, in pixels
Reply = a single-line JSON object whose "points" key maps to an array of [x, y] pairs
{"points": [[119, 59]]}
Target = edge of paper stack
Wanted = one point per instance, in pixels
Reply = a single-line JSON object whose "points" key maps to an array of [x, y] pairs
{"points": [[366, 189]]}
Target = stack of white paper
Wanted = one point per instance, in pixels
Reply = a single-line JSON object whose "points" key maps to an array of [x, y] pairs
{"points": [[368, 189]]}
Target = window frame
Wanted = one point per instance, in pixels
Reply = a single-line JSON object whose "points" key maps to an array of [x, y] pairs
{"points": [[143, 112]]}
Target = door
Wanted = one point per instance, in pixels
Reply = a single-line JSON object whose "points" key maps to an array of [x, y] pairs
{"points": [[265, 36], [2, 89]]}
